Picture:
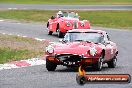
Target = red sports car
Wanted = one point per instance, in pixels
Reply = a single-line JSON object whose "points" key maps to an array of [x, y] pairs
{"points": [[65, 21], [82, 47]]}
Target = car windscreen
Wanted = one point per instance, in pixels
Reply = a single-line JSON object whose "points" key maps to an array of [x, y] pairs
{"points": [[72, 15], [87, 36]]}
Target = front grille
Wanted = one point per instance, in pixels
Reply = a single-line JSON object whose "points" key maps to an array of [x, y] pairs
{"points": [[69, 57]]}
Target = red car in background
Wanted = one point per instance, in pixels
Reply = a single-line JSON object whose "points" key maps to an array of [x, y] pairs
{"points": [[82, 47], [65, 21]]}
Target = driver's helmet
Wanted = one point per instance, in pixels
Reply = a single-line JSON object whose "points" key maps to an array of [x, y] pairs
{"points": [[60, 14]]}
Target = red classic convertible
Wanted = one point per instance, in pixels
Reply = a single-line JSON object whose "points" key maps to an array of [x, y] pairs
{"points": [[82, 47], [65, 21]]}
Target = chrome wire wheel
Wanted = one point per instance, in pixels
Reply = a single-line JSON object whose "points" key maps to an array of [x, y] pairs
{"points": [[99, 64]]}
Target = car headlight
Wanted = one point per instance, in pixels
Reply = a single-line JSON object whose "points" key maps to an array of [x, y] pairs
{"points": [[50, 49], [68, 24], [92, 51]]}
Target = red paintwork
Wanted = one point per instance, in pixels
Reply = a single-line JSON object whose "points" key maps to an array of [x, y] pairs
{"points": [[82, 48], [62, 24]]}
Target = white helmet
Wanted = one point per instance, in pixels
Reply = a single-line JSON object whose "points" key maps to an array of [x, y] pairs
{"points": [[60, 14]]}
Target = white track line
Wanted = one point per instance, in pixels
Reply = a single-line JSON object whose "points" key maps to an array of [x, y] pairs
{"points": [[32, 62], [1, 20], [39, 39], [35, 61], [12, 8]]}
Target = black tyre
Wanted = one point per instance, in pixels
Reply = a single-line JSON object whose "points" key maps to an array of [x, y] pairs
{"points": [[60, 34], [99, 65], [50, 33], [51, 66], [47, 24], [112, 63]]}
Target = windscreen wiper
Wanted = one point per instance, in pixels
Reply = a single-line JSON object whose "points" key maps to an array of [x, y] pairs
{"points": [[88, 41], [79, 40], [83, 41]]}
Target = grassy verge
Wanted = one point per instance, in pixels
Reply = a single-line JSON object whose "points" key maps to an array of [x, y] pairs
{"points": [[112, 19], [27, 15], [16, 48], [74, 2]]}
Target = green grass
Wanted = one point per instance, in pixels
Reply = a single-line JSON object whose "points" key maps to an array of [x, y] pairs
{"points": [[27, 15], [74, 2], [112, 19], [7, 54], [14, 48]]}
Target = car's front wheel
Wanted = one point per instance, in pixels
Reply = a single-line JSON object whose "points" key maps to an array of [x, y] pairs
{"points": [[112, 63], [99, 64], [51, 66], [60, 34]]}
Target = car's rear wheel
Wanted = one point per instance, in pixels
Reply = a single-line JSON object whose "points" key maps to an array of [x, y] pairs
{"points": [[99, 64], [51, 66], [112, 63], [47, 24], [50, 33]]}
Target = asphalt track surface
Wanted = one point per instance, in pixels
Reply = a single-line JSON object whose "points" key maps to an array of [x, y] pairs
{"points": [[65, 7], [39, 77]]}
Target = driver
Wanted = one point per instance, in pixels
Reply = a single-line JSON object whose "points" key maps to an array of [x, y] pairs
{"points": [[60, 14]]}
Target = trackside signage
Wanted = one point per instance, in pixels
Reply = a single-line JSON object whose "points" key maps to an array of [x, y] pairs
{"points": [[83, 78], [103, 78]]}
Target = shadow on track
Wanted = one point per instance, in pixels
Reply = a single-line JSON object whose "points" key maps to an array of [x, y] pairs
{"points": [[88, 69]]}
